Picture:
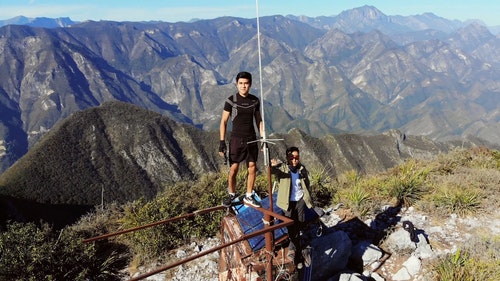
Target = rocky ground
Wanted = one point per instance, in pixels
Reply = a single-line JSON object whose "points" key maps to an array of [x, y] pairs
{"points": [[384, 244], [438, 236]]}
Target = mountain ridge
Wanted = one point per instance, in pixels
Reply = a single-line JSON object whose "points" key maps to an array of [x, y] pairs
{"points": [[320, 81], [120, 152]]}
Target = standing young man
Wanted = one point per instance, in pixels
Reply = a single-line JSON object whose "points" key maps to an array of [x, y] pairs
{"points": [[244, 110]]}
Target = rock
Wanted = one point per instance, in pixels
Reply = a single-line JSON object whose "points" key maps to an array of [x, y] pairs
{"points": [[331, 220], [180, 254], [351, 277], [402, 275], [409, 268], [399, 242], [424, 249], [375, 276], [347, 276], [367, 252], [413, 264], [330, 254], [349, 241]]}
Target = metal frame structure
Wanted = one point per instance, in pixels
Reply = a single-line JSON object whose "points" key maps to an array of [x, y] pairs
{"points": [[268, 229]]}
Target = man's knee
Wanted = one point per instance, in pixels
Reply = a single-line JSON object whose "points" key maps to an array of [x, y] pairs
{"points": [[234, 168], [251, 167]]}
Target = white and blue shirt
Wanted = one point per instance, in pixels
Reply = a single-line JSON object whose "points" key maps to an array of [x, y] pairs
{"points": [[296, 190]]}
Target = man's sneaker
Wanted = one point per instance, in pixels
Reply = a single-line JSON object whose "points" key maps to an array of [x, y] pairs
{"points": [[251, 201], [306, 254], [229, 200], [291, 255]]}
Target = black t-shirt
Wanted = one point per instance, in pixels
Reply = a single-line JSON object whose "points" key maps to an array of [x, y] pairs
{"points": [[243, 114]]}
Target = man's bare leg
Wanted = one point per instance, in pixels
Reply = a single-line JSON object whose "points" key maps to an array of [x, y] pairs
{"points": [[231, 180]]}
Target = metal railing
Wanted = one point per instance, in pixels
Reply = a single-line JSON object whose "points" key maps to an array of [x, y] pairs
{"points": [[268, 228]]}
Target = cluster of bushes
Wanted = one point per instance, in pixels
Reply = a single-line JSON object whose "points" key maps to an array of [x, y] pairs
{"points": [[31, 252], [479, 261]]}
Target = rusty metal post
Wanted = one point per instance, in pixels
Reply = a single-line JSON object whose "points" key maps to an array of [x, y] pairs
{"points": [[268, 220], [199, 212]]}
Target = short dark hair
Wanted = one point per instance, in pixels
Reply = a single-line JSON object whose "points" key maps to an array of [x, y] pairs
{"points": [[291, 149], [244, 75]]}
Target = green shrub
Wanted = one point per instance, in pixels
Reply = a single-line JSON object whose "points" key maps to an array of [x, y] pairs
{"points": [[452, 267], [459, 200], [358, 199], [180, 199], [478, 157], [29, 252], [407, 183], [321, 185], [354, 192], [477, 262], [496, 156]]}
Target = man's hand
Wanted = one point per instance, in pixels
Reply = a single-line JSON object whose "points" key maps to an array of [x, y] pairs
{"points": [[275, 162], [222, 148]]}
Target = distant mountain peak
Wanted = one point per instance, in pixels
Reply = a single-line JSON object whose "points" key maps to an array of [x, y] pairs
{"points": [[476, 27], [365, 12], [39, 21]]}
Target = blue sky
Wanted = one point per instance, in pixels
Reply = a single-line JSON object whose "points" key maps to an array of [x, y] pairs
{"points": [[183, 10]]}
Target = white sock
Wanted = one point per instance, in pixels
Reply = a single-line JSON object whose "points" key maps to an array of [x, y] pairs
{"points": [[249, 194]]}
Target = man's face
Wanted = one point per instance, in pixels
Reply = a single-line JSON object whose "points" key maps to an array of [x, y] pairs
{"points": [[243, 86], [294, 158]]}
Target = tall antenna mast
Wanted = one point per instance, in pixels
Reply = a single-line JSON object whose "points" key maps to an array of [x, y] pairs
{"points": [[264, 139], [264, 136], [269, 237]]}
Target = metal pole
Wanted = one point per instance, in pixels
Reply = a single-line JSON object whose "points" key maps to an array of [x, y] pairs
{"points": [[269, 236], [199, 212], [260, 80]]}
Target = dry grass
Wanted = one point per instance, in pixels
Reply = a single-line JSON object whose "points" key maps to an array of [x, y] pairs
{"points": [[463, 182], [479, 261]]}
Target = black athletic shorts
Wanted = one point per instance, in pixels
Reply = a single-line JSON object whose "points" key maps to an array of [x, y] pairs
{"points": [[240, 150]]}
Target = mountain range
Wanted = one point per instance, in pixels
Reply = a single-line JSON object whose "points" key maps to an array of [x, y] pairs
{"points": [[359, 72], [119, 152]]}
